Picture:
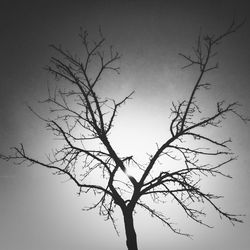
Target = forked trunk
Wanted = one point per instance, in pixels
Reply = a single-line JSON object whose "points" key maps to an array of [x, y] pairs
{"points": [[130, 230]]}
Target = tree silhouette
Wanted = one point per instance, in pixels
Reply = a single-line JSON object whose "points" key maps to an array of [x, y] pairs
{"points": [[83, 121]]}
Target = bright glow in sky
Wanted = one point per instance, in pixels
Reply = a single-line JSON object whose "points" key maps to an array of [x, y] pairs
{"points": [[40, 211]]}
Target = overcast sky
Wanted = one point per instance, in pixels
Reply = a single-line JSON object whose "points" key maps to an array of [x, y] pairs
{"points": [[41, 211]]}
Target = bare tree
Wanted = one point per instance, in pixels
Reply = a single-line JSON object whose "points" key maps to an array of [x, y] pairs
{"points": [[83, 121]]}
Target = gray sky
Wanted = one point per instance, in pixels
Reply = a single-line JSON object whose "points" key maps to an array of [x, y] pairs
{"points": [[40, 211]]}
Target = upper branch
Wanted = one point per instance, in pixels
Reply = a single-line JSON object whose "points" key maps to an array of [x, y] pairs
{"points": [[204, 52]]}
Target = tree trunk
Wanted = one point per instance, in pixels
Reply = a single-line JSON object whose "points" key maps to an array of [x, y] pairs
{"points": [[130, 230]]}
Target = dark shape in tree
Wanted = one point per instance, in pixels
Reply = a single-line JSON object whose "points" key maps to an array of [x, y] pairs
{"points": [[83, 120]]}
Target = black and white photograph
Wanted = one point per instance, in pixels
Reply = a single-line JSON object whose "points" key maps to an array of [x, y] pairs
{"points": [[125, 125]]}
